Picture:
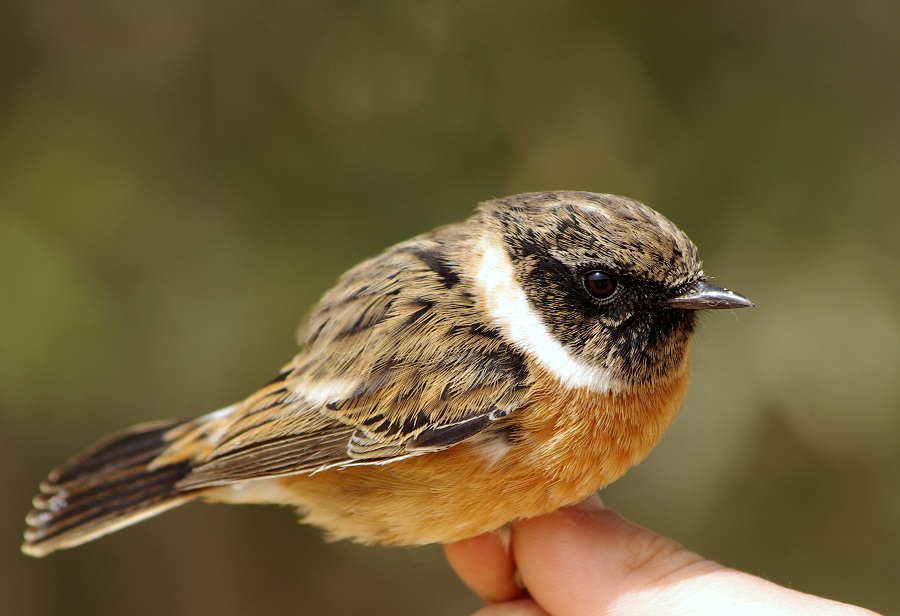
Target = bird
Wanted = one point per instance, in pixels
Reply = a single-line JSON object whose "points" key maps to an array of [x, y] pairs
{"points": [[485, 372]]}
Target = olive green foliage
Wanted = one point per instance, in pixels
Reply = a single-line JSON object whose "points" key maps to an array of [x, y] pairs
{"points": [[179, 181]]}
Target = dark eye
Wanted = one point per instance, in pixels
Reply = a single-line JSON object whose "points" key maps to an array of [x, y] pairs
{"points": [[600, 284]]}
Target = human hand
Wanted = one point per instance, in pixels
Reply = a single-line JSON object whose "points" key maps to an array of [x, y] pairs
{"points": [[587, 559]]}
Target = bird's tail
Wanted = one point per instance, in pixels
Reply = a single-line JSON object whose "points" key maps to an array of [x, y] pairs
{"points": [[109, 486]]}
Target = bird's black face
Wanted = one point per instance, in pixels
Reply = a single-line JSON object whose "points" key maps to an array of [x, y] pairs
{"points": [[609, 317], [600, 276]]}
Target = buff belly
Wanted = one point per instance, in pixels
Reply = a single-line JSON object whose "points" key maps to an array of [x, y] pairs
{"points": [[551, 460]]}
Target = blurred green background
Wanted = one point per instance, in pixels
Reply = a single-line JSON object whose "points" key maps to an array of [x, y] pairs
{"points": [[179, 182]]}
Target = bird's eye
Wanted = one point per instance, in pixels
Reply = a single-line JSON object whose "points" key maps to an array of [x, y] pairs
{"points": [[600, 285]]}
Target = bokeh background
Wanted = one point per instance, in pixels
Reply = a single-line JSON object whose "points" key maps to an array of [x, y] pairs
{"points": [[180, 181]]}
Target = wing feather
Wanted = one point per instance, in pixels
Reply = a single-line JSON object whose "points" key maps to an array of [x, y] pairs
{"points": [[391, 365]]}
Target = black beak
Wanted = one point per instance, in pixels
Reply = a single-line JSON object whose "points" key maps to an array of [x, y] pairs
{"points": [[704, 296]]}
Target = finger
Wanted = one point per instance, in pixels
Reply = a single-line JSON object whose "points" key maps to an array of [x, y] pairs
{"points": [[486, 566], [522, 607], [588, 559]]}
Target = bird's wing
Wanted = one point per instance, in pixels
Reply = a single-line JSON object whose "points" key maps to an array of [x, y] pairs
{"points": [[396, 361]]}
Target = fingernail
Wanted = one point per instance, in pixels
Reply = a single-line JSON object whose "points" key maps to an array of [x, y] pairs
{"points": [[591, 504]]}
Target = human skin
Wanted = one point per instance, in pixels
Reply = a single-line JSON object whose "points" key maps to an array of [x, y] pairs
{"points": [[587, 559]]}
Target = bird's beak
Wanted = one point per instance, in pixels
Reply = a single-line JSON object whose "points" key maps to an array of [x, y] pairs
{"points": [[704, 296]]}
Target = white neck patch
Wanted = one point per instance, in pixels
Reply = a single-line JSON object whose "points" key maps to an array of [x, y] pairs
{"points": [[509, 309]]}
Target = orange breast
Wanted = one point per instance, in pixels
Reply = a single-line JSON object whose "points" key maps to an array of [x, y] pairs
{"points": [[564, 445]]}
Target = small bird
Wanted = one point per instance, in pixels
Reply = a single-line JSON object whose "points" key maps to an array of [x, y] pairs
{"points": [[485, 372]]}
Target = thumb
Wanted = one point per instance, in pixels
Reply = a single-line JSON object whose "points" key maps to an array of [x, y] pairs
{"points": [[588, 555], [589, 560]]}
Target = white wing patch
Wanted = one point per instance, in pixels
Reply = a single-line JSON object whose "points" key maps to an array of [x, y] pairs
{"points": [[328, 391], [510, 310]]}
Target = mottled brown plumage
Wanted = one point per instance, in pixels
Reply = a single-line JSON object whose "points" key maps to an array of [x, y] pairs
{"points": [[459, 381]]}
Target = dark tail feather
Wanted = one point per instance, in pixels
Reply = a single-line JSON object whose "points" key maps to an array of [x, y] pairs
{"points": [[107, 487]]}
